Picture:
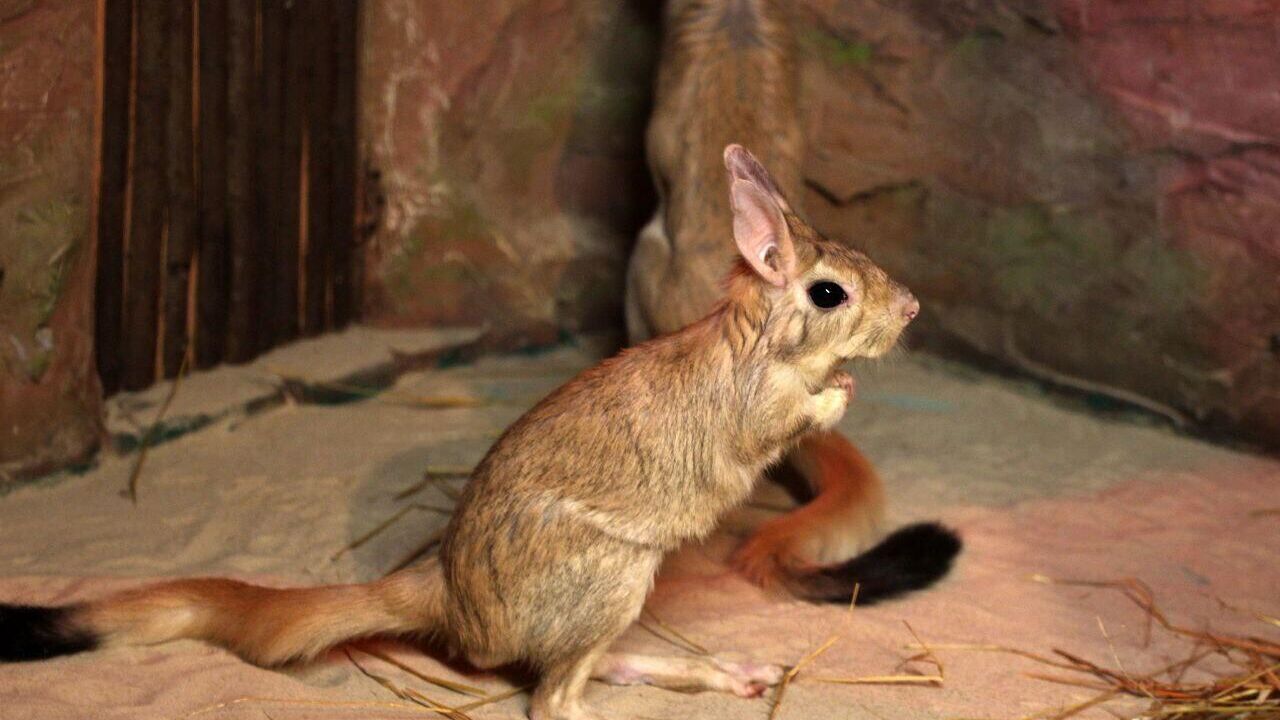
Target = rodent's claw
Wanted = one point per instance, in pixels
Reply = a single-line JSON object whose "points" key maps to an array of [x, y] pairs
{"points": [[750, 679], [844, 381]]}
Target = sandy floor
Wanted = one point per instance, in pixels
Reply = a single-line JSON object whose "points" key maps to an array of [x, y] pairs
{"points": [[1034, 486]]}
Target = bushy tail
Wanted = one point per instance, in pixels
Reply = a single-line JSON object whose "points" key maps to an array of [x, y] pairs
{"points": [[910, 558], [844, 515], [266, 626]]}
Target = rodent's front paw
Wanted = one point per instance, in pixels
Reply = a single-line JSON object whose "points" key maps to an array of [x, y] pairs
{"points": [[829, 404], [844, 381]]}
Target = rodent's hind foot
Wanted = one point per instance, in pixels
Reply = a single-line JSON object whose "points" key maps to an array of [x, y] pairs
{"points": [[749, 679], [689, 674]]}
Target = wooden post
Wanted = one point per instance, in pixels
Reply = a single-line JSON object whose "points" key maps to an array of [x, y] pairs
{"points": [[345, 22], [180, 241], [296, 59], [243, 317], [117, 69], [213, 285], [142, 265], [278, 307], [319, 257]]}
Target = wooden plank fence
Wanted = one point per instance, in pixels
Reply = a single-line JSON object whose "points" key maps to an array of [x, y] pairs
{"points": [[227, 182]]}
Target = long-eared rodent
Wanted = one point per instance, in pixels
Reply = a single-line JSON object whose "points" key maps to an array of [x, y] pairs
{"points": [[556, 538], [727, 73]]}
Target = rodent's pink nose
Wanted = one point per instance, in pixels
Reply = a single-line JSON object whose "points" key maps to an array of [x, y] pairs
{"points": [[908, 305]]}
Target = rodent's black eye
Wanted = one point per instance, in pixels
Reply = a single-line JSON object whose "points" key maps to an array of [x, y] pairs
{"points": [[826, 294]]}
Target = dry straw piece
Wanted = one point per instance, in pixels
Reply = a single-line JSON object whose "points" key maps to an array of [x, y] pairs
{"points": [[460, 688], [410, 694], [1250, 692], [927, 655], [382, 526], [670, 634], [296, 385], [419, 552], [435, 476], [148, 439], [795, 670]]}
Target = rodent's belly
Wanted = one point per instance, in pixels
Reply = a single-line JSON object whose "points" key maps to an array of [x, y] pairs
{"points": [[516, 589]]}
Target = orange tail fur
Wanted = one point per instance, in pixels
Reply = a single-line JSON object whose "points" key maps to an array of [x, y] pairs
{"points": [[841, 520], [266, 626], [813, 550]]}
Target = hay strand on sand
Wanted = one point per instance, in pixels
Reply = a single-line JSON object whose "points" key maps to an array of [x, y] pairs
{"points": [[1073, 710], [297, 386], [409, 694], [1251, 692], [926, 655], [882, 680], [382, 526], [1260, 617], [673, 636], [795, 670], [148, 438], [460, 688], [344, 704], [498, 697], [432, 540], [434, 476], [1141, 595]]}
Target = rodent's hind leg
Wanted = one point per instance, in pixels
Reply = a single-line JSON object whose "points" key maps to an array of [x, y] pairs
{"points": [[559, 692], [688, 674]]}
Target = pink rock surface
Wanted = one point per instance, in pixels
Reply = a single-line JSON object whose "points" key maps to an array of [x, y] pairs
{"points": [[50, 398]]}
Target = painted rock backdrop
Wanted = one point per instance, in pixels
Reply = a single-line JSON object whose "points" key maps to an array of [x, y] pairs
{"points": [[50, 398], [1087, 191], [506, 139]]}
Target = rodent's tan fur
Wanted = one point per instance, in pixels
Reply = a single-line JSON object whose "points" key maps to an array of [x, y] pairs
{"points": [[727, 74], [555, 541]]}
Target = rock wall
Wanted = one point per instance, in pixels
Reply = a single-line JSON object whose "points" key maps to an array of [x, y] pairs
{"points": [[1084, 190], [504, 147], [50, 398], [1088, 191]]}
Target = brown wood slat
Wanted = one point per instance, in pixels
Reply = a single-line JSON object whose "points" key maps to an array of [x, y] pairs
{"points": [[113, 178], [278, 306], [180, 241], [213, 285], [288, 269], [242, 315], [142, 262], [319, 256], [258, 188], [344, 28]]}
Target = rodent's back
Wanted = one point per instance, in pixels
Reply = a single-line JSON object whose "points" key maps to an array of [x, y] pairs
{"points": [[727, 76], [632, 430], [618, 462]]}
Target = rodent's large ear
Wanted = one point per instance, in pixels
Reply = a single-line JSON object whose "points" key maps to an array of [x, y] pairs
{"points": [[760, 230], [742, 165]]}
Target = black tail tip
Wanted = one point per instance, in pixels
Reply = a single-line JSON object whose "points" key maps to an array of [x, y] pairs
{"points": [[910, 558], [36, 633]]}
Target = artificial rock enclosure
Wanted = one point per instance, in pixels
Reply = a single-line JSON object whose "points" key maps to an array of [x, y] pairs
{"points": [[1087, 192]]}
